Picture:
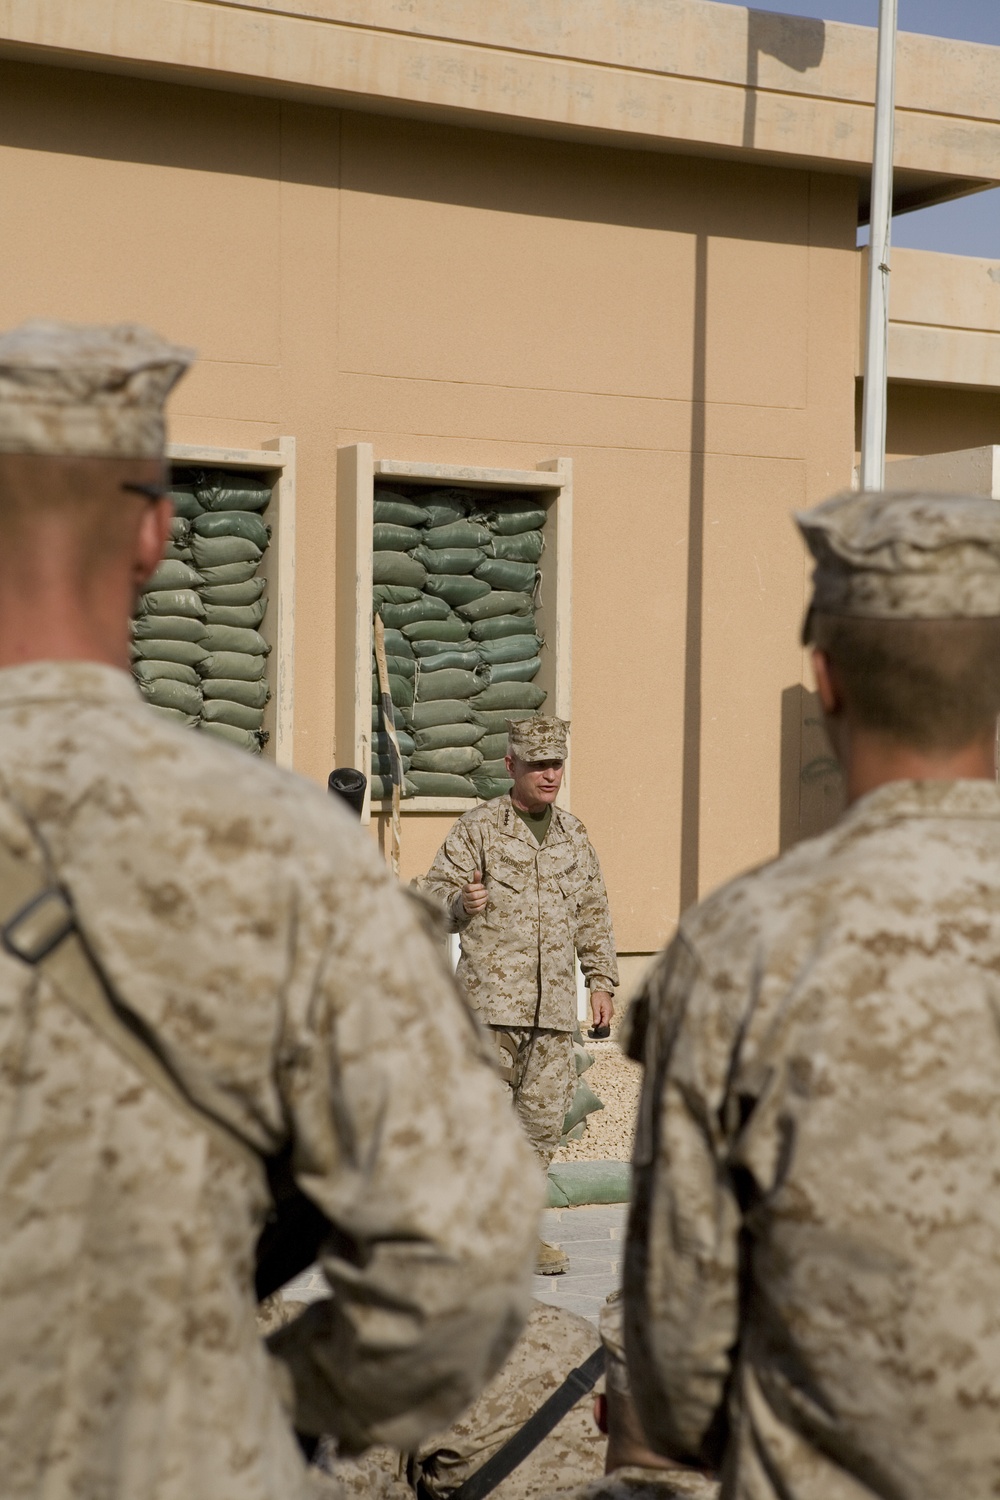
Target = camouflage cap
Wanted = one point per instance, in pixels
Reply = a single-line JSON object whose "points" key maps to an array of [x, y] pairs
{"points": [[91, 391], [904, 556], [537, 738]]}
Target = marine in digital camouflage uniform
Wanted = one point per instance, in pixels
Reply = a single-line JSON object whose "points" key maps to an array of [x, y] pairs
{"points": [[555, 1342], [812, 1277], [522, 885], [258, 944]]}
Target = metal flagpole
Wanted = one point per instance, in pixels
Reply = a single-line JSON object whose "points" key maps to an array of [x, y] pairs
{"points": [[877, 333]]}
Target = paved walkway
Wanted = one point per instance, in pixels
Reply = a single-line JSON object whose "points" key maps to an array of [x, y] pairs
{"points": [[593, 1237]]}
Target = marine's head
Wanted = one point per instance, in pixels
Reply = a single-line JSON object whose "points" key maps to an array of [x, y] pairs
{"points": [[82, 484], [905, 616], [535, 759]]}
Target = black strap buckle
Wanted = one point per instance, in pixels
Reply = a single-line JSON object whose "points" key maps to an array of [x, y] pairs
{"points": [[38, 928]]}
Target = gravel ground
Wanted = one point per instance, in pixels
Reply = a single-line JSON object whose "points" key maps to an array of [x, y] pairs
{"points": [[615, 1081]]}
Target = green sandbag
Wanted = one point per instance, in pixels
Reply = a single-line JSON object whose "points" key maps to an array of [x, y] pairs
{"points": [[440, 784], [253, 694], [509, 648], [234, 593], [233, 664], [457, 534], [400, 690], [575, 1183], [246, 616], [380, 743], [223, 711], [235, 572], [244, 738], [389, 538], [382, 769], [177, 552], [493, 746], [525, 547], [584, 1103], [377, 723], [187, 653], [150, 671], [231, 638], [516, 517], [224, 490], [497, 603], [397, 510], [488, 787], [445, 736], [397, 567], [399, 616], [402, 666], [441, 660], [450, 559], [515, 671], [451, 683], [443, 628], [180, 529], [445, 506], [457, 760], [185, 500], [493, 770], [242, 523], [439, 711], [507, 575], [172, 602], [167, 628], [432, 649], [396, 644], [166, 693], [393, 593], [382, 788], [494, 721], [213, 551], [515, 696], [457, 588], [501, 626], [172, 574], [175, 716]]}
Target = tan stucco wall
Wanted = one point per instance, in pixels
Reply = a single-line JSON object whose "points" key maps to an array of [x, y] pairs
{"points": [[470, 297]]}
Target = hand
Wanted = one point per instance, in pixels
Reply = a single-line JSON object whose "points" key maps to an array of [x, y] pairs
{"points": [[602, 1007], [474, 895]]}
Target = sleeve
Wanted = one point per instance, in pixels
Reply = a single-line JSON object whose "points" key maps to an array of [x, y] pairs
{"points": [[595, 940], [456, 861], [404, 1137], [682, 1254]]}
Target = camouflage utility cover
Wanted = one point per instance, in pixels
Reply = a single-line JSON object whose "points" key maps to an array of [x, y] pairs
{"points": [[555, 1342], [547, 903], [255, 931], [820, 1108], [538, 738]]}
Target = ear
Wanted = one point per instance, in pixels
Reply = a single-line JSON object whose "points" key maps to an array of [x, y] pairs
{"points": [[828, 687], [508, 761], [152, 537]]}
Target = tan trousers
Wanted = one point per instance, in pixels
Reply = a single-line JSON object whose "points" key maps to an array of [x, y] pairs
{"points": [[541, 1079]]}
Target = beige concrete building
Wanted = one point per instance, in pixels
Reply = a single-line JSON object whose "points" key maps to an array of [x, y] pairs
{"points": [[618, 234]]}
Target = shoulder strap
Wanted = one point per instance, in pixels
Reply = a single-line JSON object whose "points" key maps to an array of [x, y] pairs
{"points": [[39, 928], [527, 1438]]}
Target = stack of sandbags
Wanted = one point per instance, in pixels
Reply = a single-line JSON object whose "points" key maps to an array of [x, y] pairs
{"points": [[455, 577], [197, 651]]}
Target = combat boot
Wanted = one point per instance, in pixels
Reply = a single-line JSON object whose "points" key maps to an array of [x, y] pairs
{"points": [[550, 1260]]}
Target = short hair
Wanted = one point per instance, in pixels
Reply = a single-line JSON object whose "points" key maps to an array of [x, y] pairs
{"points": [[932, 684]]}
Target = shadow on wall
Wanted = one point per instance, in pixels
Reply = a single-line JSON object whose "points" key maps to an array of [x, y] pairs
{"points": [[796, 41], [812, 788]]}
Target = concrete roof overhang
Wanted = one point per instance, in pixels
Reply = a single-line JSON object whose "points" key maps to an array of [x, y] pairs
{"points": [[689, 76]]}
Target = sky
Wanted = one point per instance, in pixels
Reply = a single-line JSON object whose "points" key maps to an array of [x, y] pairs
{"points": [[969, 226]]}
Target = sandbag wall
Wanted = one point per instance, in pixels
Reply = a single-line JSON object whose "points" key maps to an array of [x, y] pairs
{"points": [[455, 576], [197, 650]]}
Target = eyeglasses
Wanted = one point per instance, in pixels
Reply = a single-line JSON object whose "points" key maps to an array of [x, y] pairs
{"points": [[148, 491]]}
